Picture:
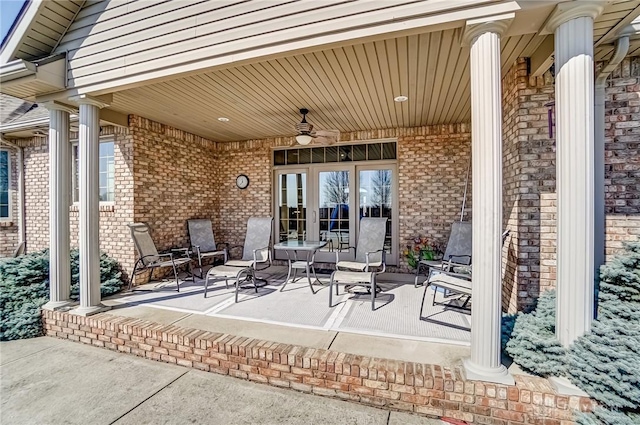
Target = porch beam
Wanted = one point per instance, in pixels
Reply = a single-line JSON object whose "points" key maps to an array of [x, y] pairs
{"points": [[575, 175], [486, 153], [59, 200], [89, 155]]}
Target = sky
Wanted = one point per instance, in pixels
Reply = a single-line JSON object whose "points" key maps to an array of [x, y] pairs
{"points": [[8, 11]]}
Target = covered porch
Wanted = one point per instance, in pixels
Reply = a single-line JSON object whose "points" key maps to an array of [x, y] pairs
{"points": [[432, 83]]}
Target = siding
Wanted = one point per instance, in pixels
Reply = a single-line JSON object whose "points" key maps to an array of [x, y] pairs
{"points": [[112, 39]]}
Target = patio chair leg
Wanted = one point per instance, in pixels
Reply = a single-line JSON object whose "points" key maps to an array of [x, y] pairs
{"points": [[373, 292], [433, 302], [206, 284], [331, 290], [175, 273], [133, 275], [424, 295], [309, 279]]}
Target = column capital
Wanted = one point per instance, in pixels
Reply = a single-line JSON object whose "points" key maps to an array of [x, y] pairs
{"points": [[565, 12], [476, 27], [99, 101], [54, 105]]}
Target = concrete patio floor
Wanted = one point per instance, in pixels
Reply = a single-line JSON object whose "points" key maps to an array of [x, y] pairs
{"points": [[50, 381], [188, 308]]}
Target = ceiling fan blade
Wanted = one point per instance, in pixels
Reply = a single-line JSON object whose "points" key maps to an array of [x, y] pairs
{"points": [[328, 133], [324, 140]]}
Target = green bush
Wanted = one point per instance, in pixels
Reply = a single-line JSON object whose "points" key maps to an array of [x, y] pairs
{"points": [[533, 344], [24, 288], [605, 362]]}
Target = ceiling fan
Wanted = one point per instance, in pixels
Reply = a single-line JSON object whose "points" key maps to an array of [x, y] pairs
{"points": [[307, 135]]}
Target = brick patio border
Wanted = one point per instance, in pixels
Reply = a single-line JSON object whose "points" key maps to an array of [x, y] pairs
{"points": [[414, 387]]}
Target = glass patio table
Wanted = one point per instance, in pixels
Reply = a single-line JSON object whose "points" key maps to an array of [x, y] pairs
{"points": [[309, 248]]}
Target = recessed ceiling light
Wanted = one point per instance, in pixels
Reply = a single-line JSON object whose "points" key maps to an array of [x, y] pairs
{"points": [[401, 98], [223, 119]]}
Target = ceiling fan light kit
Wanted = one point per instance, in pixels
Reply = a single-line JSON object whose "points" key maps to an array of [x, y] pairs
{"points": [[307, 135], [303, 139]]}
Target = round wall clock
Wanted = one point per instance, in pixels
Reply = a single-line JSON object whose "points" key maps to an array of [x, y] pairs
{"points": [[242, 181]]}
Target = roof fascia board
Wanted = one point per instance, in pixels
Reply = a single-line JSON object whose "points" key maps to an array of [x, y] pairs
{"points": [[17, 69], [456, 17], [15, 40]]}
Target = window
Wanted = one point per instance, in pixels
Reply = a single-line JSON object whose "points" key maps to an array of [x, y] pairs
{"points": [[107, 173], [5, 180]]}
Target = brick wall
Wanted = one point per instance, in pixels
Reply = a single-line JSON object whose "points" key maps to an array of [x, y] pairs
{"points": [[114, 234], [421, 388], [174, 180], [234, 205], [9, 229], [36, 185], [433, 163], [622, 155], [529, 176], [529, 188]]}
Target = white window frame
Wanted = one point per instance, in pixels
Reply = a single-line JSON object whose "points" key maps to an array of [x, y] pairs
{"points": [[10, 194], [74, 144]]}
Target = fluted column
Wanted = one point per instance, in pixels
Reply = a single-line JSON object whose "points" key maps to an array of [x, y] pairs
{"points": [[575, 174], [59, 200], [89, 154], [486, 152]]}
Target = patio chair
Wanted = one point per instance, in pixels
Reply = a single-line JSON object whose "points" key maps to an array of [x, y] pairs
{"points": [[457, 255], [453, 284], [256, 251], [369, 250], [203, 243], [150, 259]]}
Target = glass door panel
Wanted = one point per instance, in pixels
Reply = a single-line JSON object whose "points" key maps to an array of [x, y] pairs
{"points": [[292, 206], [334, 221], [376, 199]]}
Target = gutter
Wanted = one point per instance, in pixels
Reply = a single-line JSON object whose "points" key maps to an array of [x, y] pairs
{"points": [[21, 210], [621, 49]]}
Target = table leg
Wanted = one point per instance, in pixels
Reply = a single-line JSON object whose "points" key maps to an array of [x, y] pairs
{"points": [[288, 273]]}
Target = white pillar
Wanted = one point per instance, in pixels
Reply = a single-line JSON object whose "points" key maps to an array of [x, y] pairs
{"points": [[574, 169], [88, 153], [486, 152], [59, 201]]}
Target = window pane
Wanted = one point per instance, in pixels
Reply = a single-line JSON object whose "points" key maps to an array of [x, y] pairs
{"points": [[292, 156], [278, 157], [374, 152], [359, 152], [317, 155], [376, 197], [304, 156], [389, 151], [4, 211]]}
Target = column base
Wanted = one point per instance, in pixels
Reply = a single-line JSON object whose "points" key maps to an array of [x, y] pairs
{"points": [[564, 387], [499, 375], [89, 311], [57, 305]]}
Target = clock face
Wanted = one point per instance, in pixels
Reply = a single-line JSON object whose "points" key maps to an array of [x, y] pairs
{"points": [[242, 181]]}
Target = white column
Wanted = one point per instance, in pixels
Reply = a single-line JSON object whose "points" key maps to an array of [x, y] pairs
{"points": [[574, 169], [88, 153], [486, 152], [59, 201]]}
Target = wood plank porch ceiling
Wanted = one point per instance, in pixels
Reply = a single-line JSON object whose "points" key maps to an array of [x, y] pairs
{"points": [[348, 88]]}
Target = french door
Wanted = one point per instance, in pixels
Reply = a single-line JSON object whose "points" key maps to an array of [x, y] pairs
{"points": [[326, 202]]}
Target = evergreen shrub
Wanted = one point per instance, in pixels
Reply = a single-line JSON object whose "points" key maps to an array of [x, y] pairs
{"points": [[605, 362], [24, 288], [533, 344]]}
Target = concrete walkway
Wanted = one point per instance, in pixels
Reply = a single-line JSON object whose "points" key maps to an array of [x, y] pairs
{"points": [[50, 381]]}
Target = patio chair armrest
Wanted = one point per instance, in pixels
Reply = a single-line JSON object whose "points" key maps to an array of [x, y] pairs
{"points": [[366, 256], [184, 251], [255, 254], [434, 272]]}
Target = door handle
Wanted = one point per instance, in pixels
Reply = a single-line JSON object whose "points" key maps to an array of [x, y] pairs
{"points": [[314, 216]]}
